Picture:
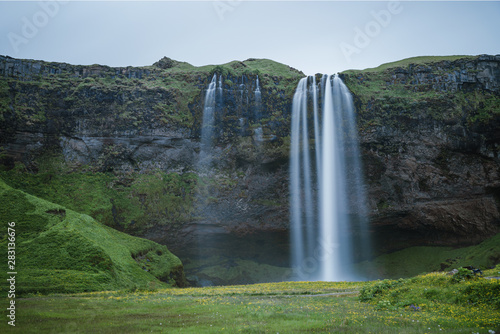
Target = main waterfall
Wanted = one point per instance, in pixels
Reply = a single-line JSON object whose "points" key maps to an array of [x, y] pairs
{"points": [[327, 200]]}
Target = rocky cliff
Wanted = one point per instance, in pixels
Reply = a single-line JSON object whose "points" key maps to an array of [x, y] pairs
{"points": [[121, 144], [429, 130]]}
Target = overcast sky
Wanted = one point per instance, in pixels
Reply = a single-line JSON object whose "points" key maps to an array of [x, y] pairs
{"points": [[315, 37]]}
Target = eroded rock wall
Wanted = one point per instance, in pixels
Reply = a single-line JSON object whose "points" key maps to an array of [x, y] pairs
{"points": [[430, 137]]}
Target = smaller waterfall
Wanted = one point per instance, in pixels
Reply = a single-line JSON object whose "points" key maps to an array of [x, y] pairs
{"points": [[207, 128], [258, 132], [258, 101], [242, 87], [219, 87]]}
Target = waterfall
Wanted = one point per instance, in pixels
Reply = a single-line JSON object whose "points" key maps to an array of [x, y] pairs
{"points": [[207, 128], [219, 88], [257, 114], [327, 200], [242, 87], [258, 100], [296, 210]]}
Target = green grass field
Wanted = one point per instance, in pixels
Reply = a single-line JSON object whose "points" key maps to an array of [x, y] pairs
{"points": [[433, 303]]}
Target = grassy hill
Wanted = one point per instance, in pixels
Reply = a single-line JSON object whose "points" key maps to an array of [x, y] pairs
{"points": [[60, 250]]}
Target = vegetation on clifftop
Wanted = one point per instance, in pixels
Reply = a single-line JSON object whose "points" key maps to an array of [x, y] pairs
{"points": [[436, 88], [419, 60]]}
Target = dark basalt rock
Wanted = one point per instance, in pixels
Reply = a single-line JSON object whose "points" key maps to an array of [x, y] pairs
{"points": [[431, 156]]}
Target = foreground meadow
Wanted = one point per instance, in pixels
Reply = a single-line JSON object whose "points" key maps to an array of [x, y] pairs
{"points": [[433, 303]]}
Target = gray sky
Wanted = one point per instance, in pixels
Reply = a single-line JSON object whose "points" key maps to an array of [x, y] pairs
{"points": [[315, 37]]}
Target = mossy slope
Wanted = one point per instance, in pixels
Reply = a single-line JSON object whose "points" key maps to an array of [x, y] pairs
{"points": [[130, 203], [59, 250]]}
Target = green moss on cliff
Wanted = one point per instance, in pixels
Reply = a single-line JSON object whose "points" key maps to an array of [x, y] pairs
{"points": [[482, 107], [60, 250], [401, 93], [129, 202], [175, 114]]}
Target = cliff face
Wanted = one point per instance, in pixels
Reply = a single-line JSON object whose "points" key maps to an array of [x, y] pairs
{"points": [[122, 144], [131, 118], [429, 134]]}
